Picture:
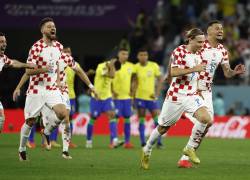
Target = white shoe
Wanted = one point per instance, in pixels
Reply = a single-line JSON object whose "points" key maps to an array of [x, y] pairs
{"points": [[65, 155], [89, 144]]}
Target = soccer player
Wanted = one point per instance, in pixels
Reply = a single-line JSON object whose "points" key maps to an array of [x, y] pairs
{"points": [[148, 86], [70, 80], [182, 95], [44, 84], [122, 91], [213, 54], [105, 73], [47, 113], [7, 62]]}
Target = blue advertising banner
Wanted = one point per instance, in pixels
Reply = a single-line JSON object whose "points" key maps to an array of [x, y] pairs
{"points": [[90, 14]]}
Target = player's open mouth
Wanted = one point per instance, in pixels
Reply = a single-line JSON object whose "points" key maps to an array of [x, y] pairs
{"points": [[53, 33], [2, 48]]}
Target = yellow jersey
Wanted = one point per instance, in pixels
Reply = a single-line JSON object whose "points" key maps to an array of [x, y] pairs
{"points": [[70, 80], [146, 77], [122, 81], [102, 82]]}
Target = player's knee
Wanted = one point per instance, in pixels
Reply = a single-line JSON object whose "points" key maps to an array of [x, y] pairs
{"points": [[61, 114], [205, 119]]}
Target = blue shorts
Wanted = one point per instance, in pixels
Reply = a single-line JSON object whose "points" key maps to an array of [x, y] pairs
{"points": [[72, 106], [123, 108], [100, 106], [146, 104]]}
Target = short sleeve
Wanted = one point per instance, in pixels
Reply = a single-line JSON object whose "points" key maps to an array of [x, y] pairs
{"points": [[157, 70], [69, 60]]}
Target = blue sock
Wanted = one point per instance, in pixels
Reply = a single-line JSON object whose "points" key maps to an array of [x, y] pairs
{"points": [[90, 129], [127, 130], [32, 134], [53, 135], [113, 129], [71, 127], [142, 130]]}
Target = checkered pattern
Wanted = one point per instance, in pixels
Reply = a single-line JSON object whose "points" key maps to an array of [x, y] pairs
{"points": [[212, 57], [65, 60], [38, 55], [186, 84], [4, 60]]}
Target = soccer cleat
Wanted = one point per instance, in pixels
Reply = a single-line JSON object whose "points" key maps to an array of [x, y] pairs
{"points": [[184, 164], [89, 145], [46, 141], [190, 152], [55, 144], [31, 145], [72, 145], [22, 156], [65, 155], [128, 145], [145, 161], [118, 143]]}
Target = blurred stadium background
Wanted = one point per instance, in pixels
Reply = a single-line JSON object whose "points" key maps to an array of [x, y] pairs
{"points": [[95, 29]]}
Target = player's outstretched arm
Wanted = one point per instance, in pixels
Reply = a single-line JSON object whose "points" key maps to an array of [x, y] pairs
{"points": [[175, 71], [82, 75], [23, 80], [18, 64], [229, 73], [31, 72]]}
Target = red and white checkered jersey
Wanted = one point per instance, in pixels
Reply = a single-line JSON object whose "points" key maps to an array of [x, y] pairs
{"points": [[43, 55], [186, 84], [212, 57], [65, 61], [4, 60]]}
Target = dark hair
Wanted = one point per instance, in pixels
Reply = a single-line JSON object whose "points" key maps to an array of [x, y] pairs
{"points": [[142, 50], [192, 33], [117, 65], [213, 22], [45, 20], [2, 34], [122, 49]]}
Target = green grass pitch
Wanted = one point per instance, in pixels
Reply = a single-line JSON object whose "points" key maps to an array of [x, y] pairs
{"points": [[222, 159]]}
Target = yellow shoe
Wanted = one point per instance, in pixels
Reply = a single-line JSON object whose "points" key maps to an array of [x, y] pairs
{"points": [[145, 161], [55, 144], [190, 152]]}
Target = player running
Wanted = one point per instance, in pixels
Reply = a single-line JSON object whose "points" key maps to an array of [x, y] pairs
{"points": [[213, 54], [182, 95]]}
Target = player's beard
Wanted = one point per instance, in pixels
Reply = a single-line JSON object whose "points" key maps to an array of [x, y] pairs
{"points": [[51, 36], [2, 49]]}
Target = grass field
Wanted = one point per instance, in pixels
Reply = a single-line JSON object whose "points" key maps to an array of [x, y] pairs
{"points": [[220, 159]]}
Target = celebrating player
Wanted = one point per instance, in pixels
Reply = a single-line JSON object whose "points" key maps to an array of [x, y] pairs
{"points": [[6, 62], [182, 95], [213, 54]]}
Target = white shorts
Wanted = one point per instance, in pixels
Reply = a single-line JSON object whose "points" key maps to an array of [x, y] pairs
{"points": [[48, 113], [208, 101], [1, 106], [35, 102], [172, 110]]}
